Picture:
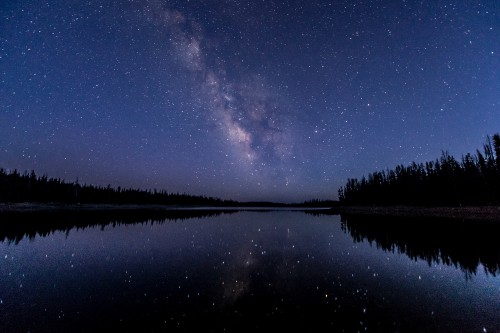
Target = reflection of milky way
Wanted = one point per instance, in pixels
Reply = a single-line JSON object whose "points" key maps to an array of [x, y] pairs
{"points": [[244, 111], [258, 260]]}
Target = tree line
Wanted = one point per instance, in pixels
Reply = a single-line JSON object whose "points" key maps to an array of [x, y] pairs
{"points": [[28, 187], [472, 180]]}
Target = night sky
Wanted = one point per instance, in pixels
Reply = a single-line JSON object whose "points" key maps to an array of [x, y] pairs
{"points": [[243, 99]]}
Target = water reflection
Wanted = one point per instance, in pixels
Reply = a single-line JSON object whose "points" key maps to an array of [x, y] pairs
{"points": [[463, 244], [15, 225], [244, 272]]}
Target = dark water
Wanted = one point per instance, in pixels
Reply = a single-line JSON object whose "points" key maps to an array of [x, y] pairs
{"points": [[247, 271]]}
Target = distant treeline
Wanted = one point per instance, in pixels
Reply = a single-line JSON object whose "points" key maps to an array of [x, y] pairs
{"points": [[28, 187], [474, 180]]}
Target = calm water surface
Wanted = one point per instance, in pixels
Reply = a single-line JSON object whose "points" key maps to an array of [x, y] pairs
{"points": [[247, 271]]}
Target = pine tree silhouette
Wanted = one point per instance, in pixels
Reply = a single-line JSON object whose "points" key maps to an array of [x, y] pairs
{"points": [[475, 180]]}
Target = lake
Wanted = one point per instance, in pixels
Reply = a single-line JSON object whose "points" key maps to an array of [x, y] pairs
{"points": [[247, 271]]}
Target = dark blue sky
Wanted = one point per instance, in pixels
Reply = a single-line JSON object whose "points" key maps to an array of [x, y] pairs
{"points": [[250, 100]]}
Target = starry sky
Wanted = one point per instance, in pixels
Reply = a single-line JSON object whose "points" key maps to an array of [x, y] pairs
{"points": [[243, 99]]}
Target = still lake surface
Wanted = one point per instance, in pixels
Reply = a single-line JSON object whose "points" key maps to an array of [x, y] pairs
{"points": [[247, 271]]}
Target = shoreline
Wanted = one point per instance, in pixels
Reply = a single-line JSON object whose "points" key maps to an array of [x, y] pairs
{"points": [[25, 207], [483, 213], [475, 213]]}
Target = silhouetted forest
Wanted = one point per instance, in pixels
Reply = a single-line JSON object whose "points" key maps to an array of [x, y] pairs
{"points": [[28, 187], [462, 244], [474, 180]]}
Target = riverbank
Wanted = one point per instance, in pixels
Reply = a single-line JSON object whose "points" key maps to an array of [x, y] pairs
{"points": [[483, 213], [54, 207], [44, 207]]}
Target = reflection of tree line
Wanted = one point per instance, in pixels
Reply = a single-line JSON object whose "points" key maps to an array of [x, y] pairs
{"points": [[14, 226], [475, 180], [453, 242]]}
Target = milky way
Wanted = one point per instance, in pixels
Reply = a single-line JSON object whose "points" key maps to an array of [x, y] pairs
{"points": [[251, 100], [243, 109]]}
